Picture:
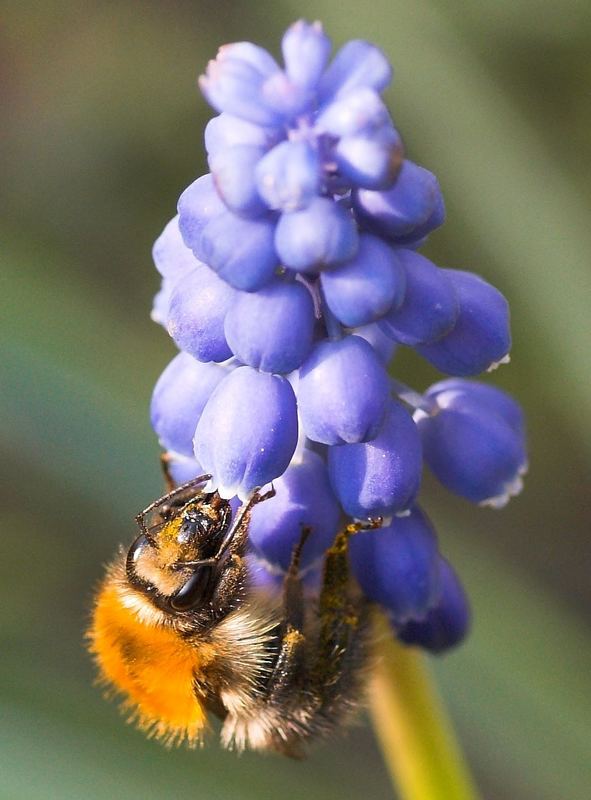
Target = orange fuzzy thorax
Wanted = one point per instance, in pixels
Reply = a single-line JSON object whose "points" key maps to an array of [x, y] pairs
{"points": [[151, 665]]}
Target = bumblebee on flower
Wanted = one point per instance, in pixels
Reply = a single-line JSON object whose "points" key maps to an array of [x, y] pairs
{"points": [[289, 278]]}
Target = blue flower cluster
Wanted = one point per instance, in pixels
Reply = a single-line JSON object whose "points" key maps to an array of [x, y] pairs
{"points": [[289, 277]]}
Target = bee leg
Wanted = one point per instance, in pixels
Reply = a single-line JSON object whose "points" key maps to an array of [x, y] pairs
{"points": [[237, 536], [231, 587], [343, 621], [233, 578], [291, 650], [286, 683]]}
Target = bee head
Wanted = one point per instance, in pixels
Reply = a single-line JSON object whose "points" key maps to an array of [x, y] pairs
{"points": [[177, 561]]}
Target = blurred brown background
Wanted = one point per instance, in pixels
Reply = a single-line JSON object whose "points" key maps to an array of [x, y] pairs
{"points": [[102, 129]]}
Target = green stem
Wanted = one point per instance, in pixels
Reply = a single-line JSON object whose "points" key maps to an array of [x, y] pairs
{"points": [[412, 728]]}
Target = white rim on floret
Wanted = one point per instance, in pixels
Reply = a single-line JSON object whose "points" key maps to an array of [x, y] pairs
{"points": [[511, 489]]}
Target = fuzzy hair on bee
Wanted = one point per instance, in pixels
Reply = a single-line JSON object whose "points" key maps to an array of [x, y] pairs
{"points": [[181, 631]]}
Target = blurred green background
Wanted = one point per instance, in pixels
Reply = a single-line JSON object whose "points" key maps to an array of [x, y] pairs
{"points": [[102, 129]]}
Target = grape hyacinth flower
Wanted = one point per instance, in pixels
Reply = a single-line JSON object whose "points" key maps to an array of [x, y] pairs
{"points": [[290, 276]]}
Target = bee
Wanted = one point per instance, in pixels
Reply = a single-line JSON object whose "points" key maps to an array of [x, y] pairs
{"points": [[181, 631]]}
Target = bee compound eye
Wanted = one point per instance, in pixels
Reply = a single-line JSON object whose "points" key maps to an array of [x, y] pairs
{"points": [[134, 552], [196, 591]]}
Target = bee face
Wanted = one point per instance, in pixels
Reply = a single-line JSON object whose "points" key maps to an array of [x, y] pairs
{"points": [[178, 561]]}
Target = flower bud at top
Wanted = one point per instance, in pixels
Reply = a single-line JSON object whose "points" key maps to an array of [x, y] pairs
{"points": [[288, 177], [371, 160], [247, 432], [234, 82], [356, 64], [447, 623], [319, 236], [398, 566], [342, 392], [225, 131], [366, 147], [359, 111], [249, 56], [233, 170], [306, 49], [286, 97], [481, 338]]}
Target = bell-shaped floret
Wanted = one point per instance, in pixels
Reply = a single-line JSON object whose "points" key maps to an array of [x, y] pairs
{"points": [[358, 112], [161, 302], [171, 255], [418, 236], [233, 170], [447, 623], [303, 499], [430, 306], [342, 392], [321, 235], [270, 578], [286, 97], [179, 398], [197, 205], [383, 345], [288, 177], [380, 477], [474, 443], [234, 82], [306, 49], [363, 289], [481, 337], [240, 250], [459, 394], [367, 148], [407, 212], [225, 131], [272, 329], [370, 160], [247, 432], [198, 306], [398, 566], [357, 64]]}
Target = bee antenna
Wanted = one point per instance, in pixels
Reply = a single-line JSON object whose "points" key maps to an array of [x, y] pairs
{"points": [[172, 498]]}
